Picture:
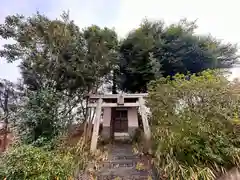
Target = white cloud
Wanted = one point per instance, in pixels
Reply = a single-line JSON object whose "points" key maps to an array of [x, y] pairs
{"points": [[86, 13], [219, 18]]}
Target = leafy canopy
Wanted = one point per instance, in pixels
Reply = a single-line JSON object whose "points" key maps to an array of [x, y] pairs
{"points": [[56, 53], [155, 49], [60, 64]]}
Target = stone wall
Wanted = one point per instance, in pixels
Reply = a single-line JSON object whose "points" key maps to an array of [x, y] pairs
{"points": [[106, 131], [132, 121]]}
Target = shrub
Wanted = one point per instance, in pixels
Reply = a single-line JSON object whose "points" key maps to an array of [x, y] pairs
{"points": [[37, 163], [79, 151], [137, 136], [28, 162], [40, 118], [194, 125]]}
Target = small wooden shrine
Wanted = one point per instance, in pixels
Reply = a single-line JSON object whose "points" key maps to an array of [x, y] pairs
{"points": [[120, 115]]}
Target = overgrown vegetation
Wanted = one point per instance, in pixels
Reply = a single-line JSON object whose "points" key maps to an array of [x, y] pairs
{"points": [[61, 63], [195, 122], [30, 162], [41, 119]]}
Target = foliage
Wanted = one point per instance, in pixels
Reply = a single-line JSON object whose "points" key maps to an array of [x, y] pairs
{"points": [[101, 55], [29, 162], [195, 122], [56, 53], [138, 135], [40, 119], [57, 58], [195, 117], [79, 151], [155, 50]]}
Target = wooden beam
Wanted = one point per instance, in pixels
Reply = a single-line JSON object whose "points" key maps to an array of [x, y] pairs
{"points": [[114, 105], [110, 96], [143, 113], [96, 126]]}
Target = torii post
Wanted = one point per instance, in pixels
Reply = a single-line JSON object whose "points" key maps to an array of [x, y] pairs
{"points": [[146, 127], [96, 125]]}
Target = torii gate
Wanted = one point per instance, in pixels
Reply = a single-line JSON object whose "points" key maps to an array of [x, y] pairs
{"points": [[130, 102]]}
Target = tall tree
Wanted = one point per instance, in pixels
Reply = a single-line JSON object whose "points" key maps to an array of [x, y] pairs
{"points": [[57, 58], [56, 53], [45, 48], [101, 52], [156, 49]]}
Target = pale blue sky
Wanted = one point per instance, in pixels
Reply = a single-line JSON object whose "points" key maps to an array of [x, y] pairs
{"points": [[220, 18]]}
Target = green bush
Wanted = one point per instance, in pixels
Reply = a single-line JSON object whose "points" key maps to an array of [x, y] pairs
{"points": [[35, 163], [40, 118], [28, 162], [194, 125]]}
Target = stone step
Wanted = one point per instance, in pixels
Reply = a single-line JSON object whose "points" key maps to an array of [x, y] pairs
{"points": [[113, 177], [125, 156], [122, 149], [124, 171], [120, 155], [120, 144], [120, 163]]}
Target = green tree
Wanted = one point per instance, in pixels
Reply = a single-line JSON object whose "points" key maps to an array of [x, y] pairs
{"points": [[155, 49], [57, 59], [101, 53], [44, 47], [56, 53]]}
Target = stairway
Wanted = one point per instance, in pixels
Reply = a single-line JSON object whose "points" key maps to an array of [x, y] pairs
{"points": [[122, 164]]}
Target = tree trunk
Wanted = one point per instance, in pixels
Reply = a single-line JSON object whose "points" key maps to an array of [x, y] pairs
{"points": [[5, 131], [114, 86]]}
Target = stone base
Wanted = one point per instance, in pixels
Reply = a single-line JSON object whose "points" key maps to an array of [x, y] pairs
{"points": [[106, 131], [121, 136]]}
